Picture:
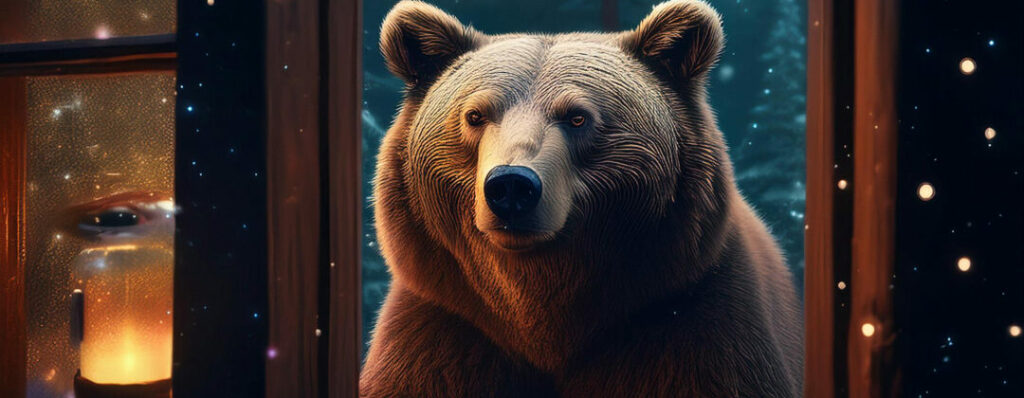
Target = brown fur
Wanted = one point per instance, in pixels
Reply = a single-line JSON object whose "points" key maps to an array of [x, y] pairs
{"points": [[643, 271]]}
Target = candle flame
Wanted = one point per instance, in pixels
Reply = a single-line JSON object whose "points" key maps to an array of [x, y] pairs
{"points": [[128, 332]]}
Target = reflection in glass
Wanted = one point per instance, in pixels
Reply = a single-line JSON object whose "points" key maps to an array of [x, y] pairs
{"points": [[24, 21], [100, 148], [125, 283]]}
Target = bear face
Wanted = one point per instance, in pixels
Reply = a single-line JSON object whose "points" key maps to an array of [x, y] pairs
{"points": [[521, 142], [577, 117]]}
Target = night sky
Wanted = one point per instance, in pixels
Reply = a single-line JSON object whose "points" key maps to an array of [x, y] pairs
{"points": [[959, 281]]}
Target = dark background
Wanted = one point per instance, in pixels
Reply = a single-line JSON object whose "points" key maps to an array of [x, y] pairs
{"points": [[953, 327], [220, 287]]}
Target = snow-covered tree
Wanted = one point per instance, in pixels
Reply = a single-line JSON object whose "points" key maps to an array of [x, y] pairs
{"points": [[770, 161]]}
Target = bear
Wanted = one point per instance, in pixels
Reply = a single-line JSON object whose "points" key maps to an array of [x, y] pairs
{"points": [[560, 219]]}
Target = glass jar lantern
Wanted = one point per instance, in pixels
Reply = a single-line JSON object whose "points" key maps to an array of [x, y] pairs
{"points": [[121, 313]]}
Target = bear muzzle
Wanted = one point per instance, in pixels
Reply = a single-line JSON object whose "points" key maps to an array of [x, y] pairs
{"points": [[512, 192]]}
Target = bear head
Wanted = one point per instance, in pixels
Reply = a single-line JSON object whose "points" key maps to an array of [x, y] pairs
{"points": [[524, 140]]}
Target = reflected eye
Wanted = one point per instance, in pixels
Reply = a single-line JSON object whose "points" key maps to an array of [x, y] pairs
{"points": [[474, 117], [577, 120], [111, 218], [123, 215]]}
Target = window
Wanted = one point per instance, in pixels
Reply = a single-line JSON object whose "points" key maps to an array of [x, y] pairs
{"points": [[88, 92], [29, 21]]}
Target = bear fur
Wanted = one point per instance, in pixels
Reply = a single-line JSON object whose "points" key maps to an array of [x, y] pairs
{"points": [[642, 272]]}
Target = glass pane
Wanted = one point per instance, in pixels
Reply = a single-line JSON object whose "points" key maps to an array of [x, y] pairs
{"points": [[99, 229], [24, 21], [757, 91]]}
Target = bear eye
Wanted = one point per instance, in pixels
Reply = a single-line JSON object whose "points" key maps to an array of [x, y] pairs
{"points": [[474, 117], [577, 120]]}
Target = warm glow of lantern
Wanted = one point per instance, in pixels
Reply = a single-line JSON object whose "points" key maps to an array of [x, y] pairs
{"points": [[964, 264], [968, 66], [926, 191], [128, 295], [867, 329], [990, 133], [1014, 331], [842, 184]]}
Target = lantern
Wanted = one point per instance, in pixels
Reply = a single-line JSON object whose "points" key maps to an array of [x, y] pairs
{"points": [[121, 307]]}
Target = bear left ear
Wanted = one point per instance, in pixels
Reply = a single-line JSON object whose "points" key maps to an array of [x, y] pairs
{"points": [[681, 38], [419, 41]]}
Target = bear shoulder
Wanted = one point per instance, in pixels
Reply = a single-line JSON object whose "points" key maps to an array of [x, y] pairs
{"points": [[740, 323], [422, 350]]}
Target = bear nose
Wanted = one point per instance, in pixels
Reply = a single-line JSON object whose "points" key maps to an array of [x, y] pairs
{"points": [[512, 191]]}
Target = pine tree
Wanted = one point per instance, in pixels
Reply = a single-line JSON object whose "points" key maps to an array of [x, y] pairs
{"points": [[770, 163]]}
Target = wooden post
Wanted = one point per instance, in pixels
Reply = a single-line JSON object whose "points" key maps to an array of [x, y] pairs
{"points": [[13, 114], [314, 176], [818, 233], [293, 196], [871, 335], [344, 146]]}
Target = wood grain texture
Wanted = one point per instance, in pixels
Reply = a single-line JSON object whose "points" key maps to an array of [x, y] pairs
{"points": [[871, 369], [293, 195], [13, 112], [344, 129], [819, 301], [12, 30]]}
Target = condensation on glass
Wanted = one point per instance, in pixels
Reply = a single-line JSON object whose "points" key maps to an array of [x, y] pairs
{"points": [[99, 222], [23, 21]]}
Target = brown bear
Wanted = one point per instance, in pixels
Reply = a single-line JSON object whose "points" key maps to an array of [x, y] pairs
{"points": [[559, 216]]}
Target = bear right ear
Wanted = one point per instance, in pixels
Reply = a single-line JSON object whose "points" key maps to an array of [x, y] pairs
{"points": [[681, 39], [419, 41]]}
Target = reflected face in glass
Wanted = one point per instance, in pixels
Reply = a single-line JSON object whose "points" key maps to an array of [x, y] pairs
{"points": [[46, 20]]}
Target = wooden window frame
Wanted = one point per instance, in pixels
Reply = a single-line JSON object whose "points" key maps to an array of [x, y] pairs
{"points": [[313, 199], [154, 53]]}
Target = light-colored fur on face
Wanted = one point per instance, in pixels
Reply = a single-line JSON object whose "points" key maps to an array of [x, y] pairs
{"points": [[623, 157], [639, 219]]}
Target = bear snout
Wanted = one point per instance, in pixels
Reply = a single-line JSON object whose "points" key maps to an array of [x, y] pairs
{"points": [[512, 192]]}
